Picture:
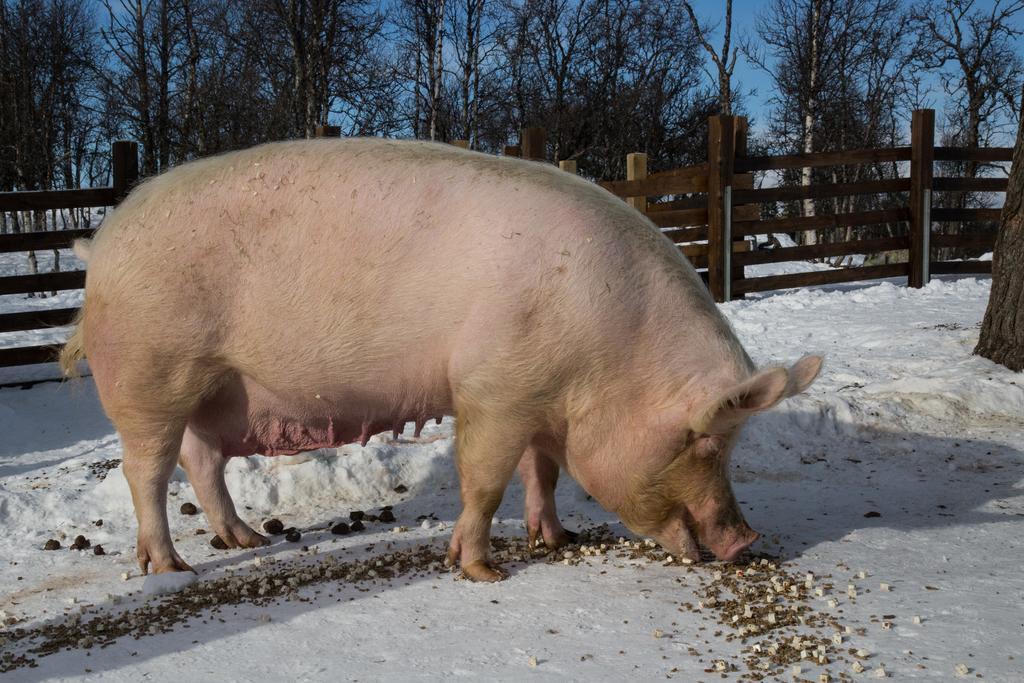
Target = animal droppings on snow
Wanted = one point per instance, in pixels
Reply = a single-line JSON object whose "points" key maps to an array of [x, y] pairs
{"points": [[274, 527], [168, 582], [189, 509]]}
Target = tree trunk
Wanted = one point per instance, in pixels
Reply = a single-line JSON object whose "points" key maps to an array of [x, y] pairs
{"points": [[1002, 331], [810, 105]]}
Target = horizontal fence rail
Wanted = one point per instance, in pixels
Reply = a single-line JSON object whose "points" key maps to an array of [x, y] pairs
{"points": [[124, 174]]}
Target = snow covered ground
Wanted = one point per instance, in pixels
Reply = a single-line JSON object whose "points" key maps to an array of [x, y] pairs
{"points": [[904, 461]]}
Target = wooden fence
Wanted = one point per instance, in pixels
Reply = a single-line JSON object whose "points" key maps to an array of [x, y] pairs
{"points": [[124, 173], [710, 209]]}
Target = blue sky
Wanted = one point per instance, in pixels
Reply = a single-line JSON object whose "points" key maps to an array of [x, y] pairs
{"points": [[748, 78]]}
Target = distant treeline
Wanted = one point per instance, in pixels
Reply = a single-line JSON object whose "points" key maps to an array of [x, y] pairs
{"points": [[188, 78]]}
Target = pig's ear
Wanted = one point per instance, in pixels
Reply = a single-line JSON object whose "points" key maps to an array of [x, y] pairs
{"points": [[760, 392], [803, 372]]}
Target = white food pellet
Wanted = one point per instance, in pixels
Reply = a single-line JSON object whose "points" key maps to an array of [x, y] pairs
{"points": [[718, 576], [532, 662], [857, 668], [747, 612], [880, 672], [833, 604], [851, 590], [887, 625], [823, 678], [720, 665], [820, 592], [686, 560], [962, 669], [771, 617], [804, 655], [862, 574], [658, 633], [837, 638], [883, 587], [862, 653], [124, 576], [796, 670], [917, 620]]}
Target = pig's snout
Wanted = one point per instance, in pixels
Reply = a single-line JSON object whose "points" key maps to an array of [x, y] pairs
{"points": [[731, 549]]}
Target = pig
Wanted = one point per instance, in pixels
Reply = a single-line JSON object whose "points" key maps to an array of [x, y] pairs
{"points": [[307, 294]]}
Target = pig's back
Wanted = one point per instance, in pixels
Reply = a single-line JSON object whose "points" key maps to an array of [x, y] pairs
{"points": [[374, 260]]}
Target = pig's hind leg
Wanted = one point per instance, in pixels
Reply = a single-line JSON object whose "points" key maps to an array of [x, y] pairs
{"points": [[204, 464], [539, 474], [149, 459]]}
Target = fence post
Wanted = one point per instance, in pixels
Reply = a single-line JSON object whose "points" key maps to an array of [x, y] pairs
{"points": [[720, 172], [533, 143], [636, 169], [922, 156], [512, 151], [124, 167], [568, 165], [328, 131], [740, 136]]}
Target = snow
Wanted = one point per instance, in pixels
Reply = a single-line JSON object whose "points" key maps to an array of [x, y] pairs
{"points": [[904, 424]]}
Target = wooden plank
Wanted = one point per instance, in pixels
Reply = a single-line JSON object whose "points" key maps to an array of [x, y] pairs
{"points": [[695, 234], [974, 240], [745, 212], [511, 151], [721, 154], [700, 202], [533, 143], [974, 153], [850, 156], [821, 277], [971, 184], [568, 165], [37, 320], [699, 261], [922, 143], [328, 132], [681, 218], [57, 199], [944, 215], [43, 282], [653, 187], [124, 168], [28, 241], [962, 267], [687, 171], [838, 220], [699, 249], [636, 169], [810, 251], [785, 194], [29, 355]]}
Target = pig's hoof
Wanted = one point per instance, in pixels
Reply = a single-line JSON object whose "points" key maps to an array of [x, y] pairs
{"points": [[478, 570], [174, 563], [553, 539], [239, 535]]}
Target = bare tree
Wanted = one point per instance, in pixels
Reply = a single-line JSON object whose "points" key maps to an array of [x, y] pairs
{"points": [[725, 61], [1002, 330]]}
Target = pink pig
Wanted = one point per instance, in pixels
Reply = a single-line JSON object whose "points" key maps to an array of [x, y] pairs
{"points": [[302, 295]]}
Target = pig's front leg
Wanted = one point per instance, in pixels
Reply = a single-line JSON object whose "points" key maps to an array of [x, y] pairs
{"points": [[540, 475], [489, 443], [204, 464]]}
